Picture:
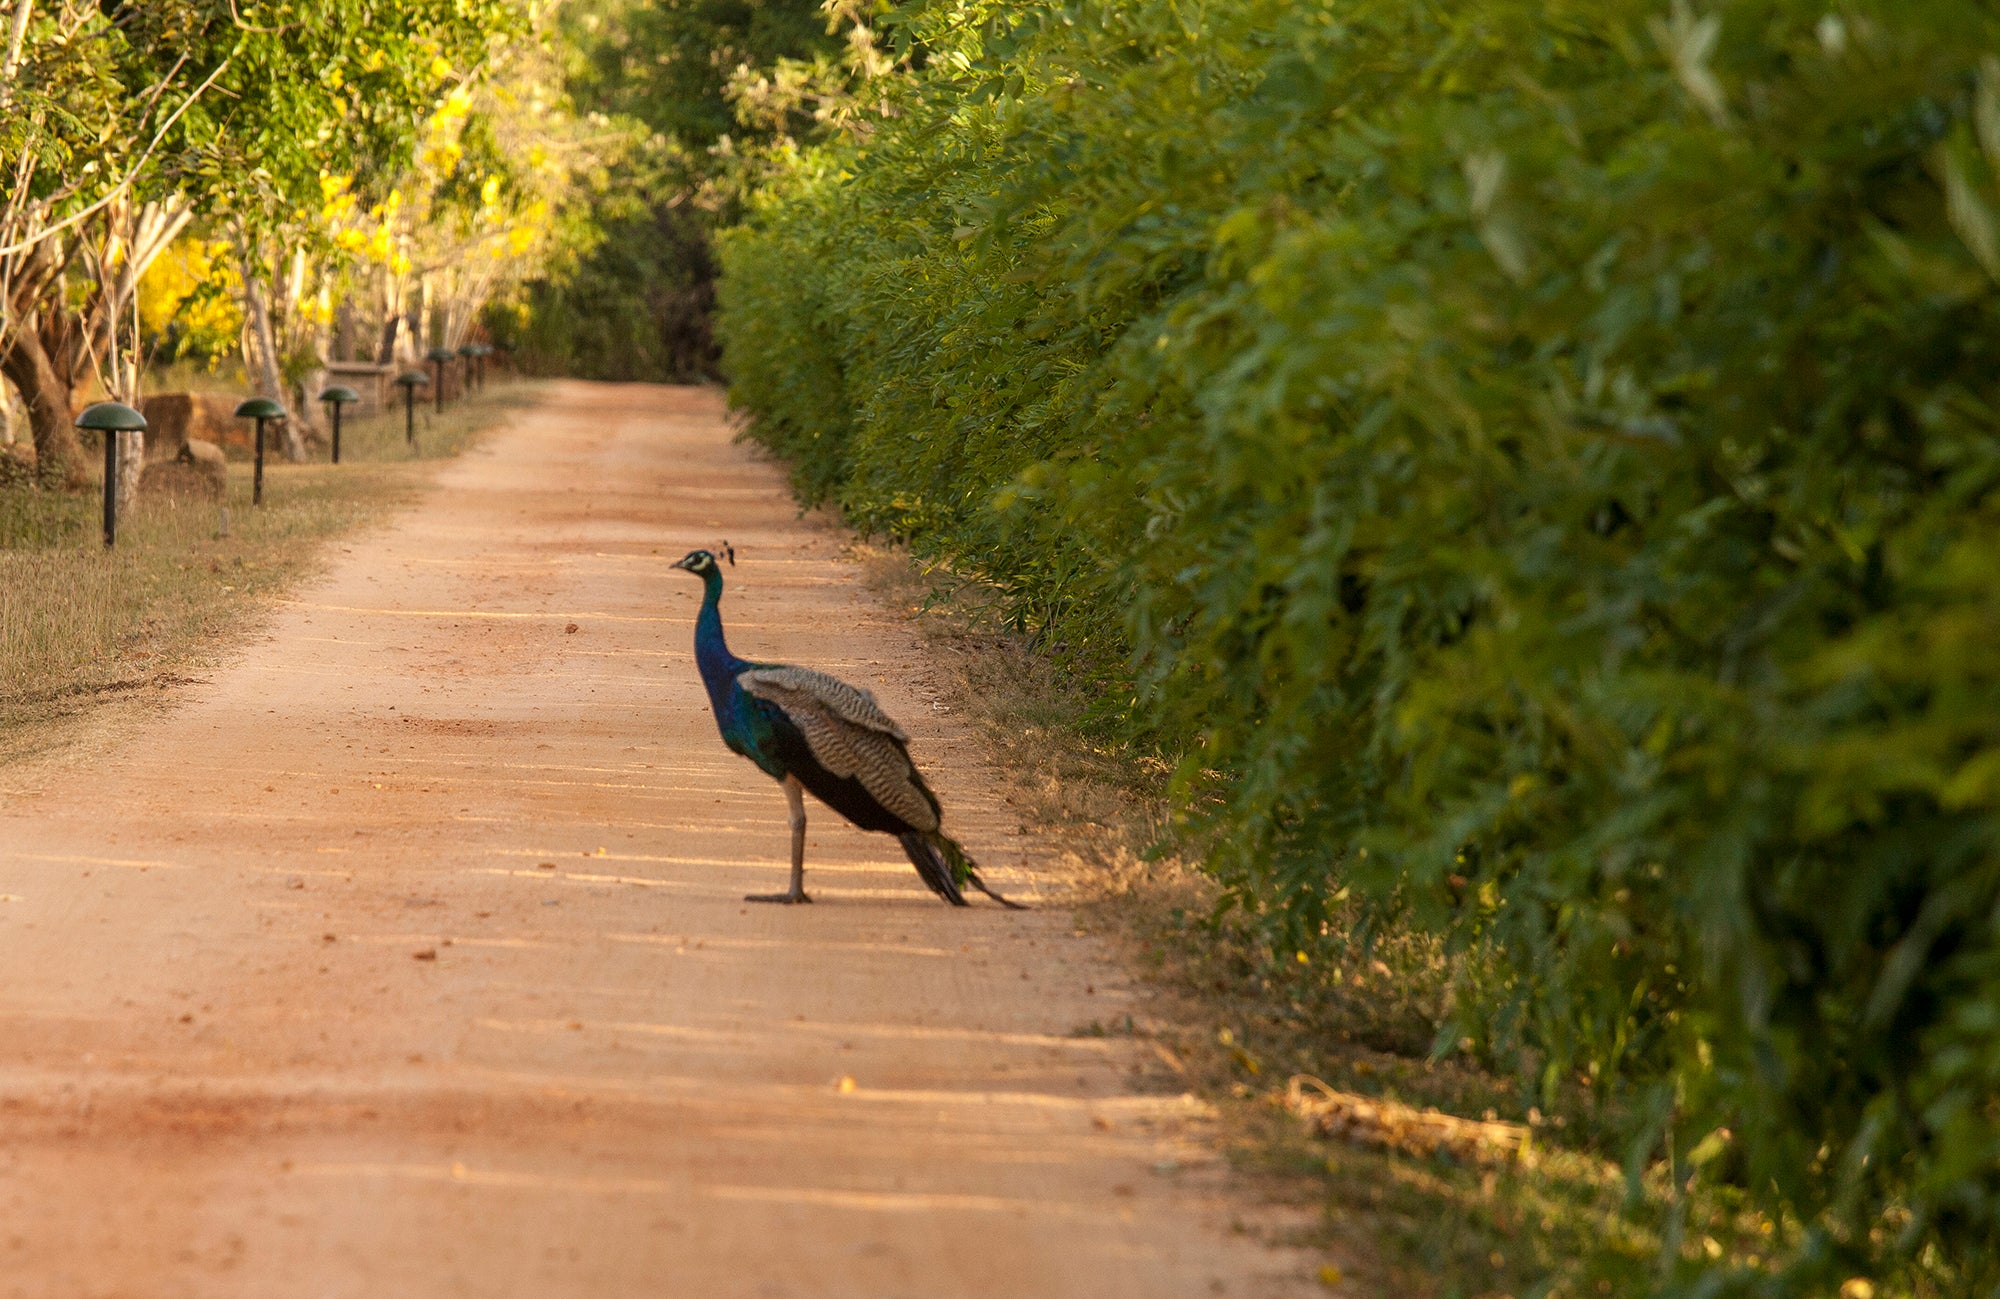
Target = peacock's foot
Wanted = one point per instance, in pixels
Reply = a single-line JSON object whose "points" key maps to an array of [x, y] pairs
{"points": [[786, 899]]}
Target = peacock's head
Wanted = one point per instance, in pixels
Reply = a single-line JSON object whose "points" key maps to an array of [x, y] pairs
{"points": [[702, 562]]}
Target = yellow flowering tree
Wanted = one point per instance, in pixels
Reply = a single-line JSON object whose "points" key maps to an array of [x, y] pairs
{"points": [[394, 260], [188, 301], [121, 125]]}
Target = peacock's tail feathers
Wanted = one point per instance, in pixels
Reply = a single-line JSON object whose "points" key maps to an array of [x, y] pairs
{"points": [[955, 864], [932, 865]]}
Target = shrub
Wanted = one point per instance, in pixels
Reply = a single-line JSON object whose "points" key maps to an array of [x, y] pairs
{"points": [[1537, 460]]}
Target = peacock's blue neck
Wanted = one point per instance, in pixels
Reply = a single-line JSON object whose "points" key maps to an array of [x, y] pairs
{"points": [[711, 652], [742, 720]]}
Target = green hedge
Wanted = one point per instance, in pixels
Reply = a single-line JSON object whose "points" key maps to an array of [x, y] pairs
{"points": [[1538, 460]]}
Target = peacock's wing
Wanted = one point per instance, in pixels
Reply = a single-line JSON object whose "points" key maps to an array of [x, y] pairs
{"points": [[783, 685], [849, 735]]}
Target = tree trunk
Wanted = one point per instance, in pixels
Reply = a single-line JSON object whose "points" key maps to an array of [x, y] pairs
{"points": [[131, 467], [343, 330], [385, 351], [258, 318], [58, 455]]}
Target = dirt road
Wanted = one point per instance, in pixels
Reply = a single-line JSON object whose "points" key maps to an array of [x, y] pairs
{"points": [[406, 956]]}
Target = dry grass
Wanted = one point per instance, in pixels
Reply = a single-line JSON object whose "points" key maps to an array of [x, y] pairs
{"points": [[1401, 1211], [190, 376], [83, 629]]}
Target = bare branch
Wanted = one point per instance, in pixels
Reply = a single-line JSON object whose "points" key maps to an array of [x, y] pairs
{"points": [[16, 35]]}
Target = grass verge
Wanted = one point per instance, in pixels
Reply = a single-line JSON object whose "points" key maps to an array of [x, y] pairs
{"points": [[1511, 1202], [84, 630]]}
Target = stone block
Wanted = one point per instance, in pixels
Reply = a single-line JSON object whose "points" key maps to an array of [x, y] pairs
{"points": [[176, 418], [369, 381]]}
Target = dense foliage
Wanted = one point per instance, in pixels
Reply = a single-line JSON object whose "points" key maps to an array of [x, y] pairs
{"points": [[635, 301], [303, 91], [1537, 459]]}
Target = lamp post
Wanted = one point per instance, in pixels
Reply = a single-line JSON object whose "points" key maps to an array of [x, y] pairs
{"points": [[480, 351], [440, 357], [336, 397], [111, 418], [409, 381], [259, 409], [469, 353]]}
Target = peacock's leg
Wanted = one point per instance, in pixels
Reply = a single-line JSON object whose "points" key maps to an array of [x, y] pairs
{"points": [[795, 796]]}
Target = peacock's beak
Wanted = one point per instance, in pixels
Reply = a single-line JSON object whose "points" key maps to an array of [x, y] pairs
{"points": [[682, 563]]}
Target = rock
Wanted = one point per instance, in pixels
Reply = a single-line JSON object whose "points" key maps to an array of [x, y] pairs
{"points": [[208, 458], [175, 418], [199, 470], [167, 418]]}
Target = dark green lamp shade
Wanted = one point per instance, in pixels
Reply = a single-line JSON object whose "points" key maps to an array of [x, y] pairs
{"points": [[441, 354], [469, 350], [260, 408], [111, 417], [340, 396], [413, 378]]}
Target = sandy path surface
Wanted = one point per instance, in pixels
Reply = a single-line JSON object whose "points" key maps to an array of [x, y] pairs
{"points": [[407, 958]]}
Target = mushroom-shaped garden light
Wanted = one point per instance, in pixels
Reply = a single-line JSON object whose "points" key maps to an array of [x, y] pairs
{"points": [[111, 418], [440, 357], [409, 381], [336, 397], [259, 409], [469, 352]]}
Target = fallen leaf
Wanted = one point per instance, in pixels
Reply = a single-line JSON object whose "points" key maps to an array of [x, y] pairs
{"points": [[428, 954]]}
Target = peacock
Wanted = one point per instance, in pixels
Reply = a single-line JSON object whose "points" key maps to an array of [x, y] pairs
{"points": [[811, 731]]}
